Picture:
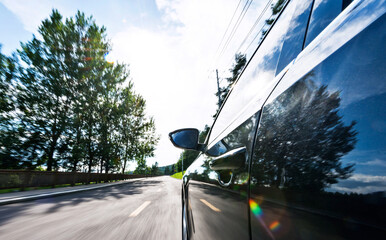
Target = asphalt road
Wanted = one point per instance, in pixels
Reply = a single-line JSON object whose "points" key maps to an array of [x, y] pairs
{"points": [[143, 209]]}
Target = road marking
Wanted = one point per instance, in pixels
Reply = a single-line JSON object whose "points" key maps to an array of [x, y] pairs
{"points": [[139, 210], [210, 205]]}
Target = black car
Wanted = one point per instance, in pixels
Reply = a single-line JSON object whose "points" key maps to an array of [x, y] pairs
{"points": [[298, 149]]}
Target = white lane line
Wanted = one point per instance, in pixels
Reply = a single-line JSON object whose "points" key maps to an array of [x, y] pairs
{"points": [[139, 210], [210, 205]]}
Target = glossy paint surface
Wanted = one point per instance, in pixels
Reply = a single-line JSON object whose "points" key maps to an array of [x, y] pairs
{"points": [[217, 200], [319, 163], [313, 124]]}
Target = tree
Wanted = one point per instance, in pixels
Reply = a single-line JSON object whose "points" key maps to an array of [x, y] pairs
{"points": [[237, 68], [51, 83], [6, 76], [301, 140], [109, 115], [154, 169], [65, 106], [167, 170], [142, 168], [8, 131], [188, 156], [276, 9]]}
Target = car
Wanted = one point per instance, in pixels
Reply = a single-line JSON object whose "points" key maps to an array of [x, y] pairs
{"points": [[298, 148]]}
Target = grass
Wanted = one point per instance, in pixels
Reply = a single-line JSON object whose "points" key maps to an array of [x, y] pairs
{"points": [[178, 175]]}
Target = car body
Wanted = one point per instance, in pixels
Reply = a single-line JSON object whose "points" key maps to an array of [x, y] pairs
{"points": [[298, 149]]}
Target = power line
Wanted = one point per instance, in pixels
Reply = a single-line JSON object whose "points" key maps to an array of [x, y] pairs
{"points": [[255, 24], [236, 26], [261, 30], [251, 30], [229, 24]]}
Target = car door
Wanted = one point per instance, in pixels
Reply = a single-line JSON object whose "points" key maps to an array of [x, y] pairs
{"points": [[216, 192], [318, 169], [216, 187]]}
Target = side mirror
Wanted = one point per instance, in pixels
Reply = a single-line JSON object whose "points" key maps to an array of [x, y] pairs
{"points": [[186, 138]]}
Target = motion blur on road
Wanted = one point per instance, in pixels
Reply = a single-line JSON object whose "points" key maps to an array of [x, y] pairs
{"points": [[143, 209]]}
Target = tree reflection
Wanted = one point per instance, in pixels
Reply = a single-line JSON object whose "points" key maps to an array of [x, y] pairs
{"points": [[301, 140]]}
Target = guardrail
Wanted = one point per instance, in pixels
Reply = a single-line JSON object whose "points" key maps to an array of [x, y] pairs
{"points": [[23, 179]]}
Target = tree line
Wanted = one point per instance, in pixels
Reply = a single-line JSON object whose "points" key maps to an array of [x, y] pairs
{"points": [[64, 106]]}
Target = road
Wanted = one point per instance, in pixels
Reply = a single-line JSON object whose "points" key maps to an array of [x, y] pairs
{"points": [[144, 209]]}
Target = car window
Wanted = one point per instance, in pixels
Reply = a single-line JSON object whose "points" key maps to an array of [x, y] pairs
{"points": [[294, 39], [255, 81], [323, 12], [319, 161], [242, 136]]}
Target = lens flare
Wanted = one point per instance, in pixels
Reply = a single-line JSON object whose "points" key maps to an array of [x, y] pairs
{"points": [[255, 208], [274, 226]]}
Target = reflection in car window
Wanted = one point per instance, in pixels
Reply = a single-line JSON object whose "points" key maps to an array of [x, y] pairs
{"points": [[256, 77], [294, 39], [242, 136], [323, 12], [321, 147]]}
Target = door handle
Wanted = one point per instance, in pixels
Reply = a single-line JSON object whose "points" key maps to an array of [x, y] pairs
{"points": [[231, 160]]}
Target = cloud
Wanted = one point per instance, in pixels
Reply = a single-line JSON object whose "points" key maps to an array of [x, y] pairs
{"points": [[368, 178], [170, 65], [375, 162], [340, 31], [361, 183], [169, 62], [171, 80]]}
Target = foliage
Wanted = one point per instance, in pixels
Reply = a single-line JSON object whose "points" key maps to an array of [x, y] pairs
{"points": [[154, 169], [165, 170], [168, 170], [64, 106], [237, 68], [188, 156], [142, 168], [301, 140], [276, 9], [8, 131]]}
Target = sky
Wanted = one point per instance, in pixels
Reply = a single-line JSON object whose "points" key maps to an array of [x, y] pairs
{"points": [[172, 47]]}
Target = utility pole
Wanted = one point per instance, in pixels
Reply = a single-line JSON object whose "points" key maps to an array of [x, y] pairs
{"points": [[218, 90]]}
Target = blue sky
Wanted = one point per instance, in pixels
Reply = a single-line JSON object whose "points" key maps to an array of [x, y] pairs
{"points": [[115, 15], [170, 45], [173, 48]]}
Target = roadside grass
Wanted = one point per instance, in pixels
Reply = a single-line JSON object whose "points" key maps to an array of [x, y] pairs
{"points": [[178, 175]]}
